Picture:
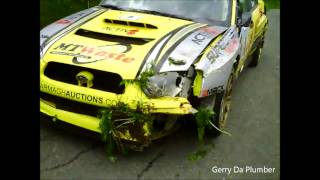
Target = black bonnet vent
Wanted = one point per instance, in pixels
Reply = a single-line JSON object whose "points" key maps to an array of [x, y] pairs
{"points": [[130, 23], [112, 38]]}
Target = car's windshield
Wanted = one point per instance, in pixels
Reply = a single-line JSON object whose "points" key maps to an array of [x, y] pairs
{"points": [[208, 11]]}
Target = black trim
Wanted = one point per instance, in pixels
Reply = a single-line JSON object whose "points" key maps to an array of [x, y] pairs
{"points": [[103, 80]]}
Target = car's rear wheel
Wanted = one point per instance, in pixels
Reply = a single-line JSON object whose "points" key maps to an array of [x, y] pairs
{"points": [[256, 56], [220, 103]]}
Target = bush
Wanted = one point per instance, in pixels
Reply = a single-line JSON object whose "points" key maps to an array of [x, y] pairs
{"points": [[51, 11], [272, 4]]}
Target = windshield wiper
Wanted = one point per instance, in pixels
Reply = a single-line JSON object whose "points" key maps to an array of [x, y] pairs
{"points": [[111, 6], [145, 11]]}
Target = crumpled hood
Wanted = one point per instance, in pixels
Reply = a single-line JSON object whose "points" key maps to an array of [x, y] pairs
{"points": [[119, 41]]}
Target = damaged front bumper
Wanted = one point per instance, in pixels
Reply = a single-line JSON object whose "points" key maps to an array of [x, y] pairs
{"points": [[132, 96]]}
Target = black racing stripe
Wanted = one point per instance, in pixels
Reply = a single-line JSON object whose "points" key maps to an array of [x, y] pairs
{"points": [[173, 47], [171, 33]]}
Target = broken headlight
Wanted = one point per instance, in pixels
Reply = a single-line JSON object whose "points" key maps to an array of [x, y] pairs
{"points": [[163, 84]]}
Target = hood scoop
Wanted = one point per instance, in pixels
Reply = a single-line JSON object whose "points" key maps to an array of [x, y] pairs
{"points": [[112, 38], [130, 23]]}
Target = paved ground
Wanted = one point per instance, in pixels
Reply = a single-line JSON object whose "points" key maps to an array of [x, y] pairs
{"points": [[254, 123]]}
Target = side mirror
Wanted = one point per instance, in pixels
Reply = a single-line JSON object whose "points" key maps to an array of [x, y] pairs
{"points": [[245, 19]]}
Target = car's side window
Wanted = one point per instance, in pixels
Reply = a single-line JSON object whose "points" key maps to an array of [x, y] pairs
{"points": [[247, 5], [254, 3]]}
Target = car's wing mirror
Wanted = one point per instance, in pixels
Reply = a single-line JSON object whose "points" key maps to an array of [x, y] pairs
{"points": [[245, 20]]}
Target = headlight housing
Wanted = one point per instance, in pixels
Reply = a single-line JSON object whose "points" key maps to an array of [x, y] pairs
{"points": [[163, 84]]}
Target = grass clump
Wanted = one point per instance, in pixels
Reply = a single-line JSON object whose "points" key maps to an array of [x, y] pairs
{"points": [[120, 118], [107, 132], [199, 154], [203, 118], [143, 80]]}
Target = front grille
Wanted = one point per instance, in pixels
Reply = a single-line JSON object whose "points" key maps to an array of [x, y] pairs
{"points": [[71, 106], [105, 81]]}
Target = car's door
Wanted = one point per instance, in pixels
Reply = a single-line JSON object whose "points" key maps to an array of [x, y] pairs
{"points": [[259, 19], [247, 9], [252, 21]]}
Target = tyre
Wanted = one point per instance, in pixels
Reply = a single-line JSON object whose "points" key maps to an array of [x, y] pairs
{"points": [[256, 56], [220, 103]]}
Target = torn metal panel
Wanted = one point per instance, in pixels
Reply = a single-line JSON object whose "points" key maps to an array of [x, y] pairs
{"points": [[243, 40], [152, 57], [163, 84], [217, 64], [165, 43], [190, 48]]}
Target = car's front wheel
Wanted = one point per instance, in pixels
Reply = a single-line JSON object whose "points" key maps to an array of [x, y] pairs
{"points": [[220, 103]]}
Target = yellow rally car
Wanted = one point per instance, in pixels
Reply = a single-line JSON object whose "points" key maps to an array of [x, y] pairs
{"points": [[129, 69]]}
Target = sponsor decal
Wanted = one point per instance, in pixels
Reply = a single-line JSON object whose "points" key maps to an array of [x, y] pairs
{"points": [[70, 94], [132, 32], [85, 54], [78, 96], [214, 90], [63, 21], [231, 46], [200, 37], [76, 16], [210, 30], [213, 54], [44, 36], [205, 33], [122, 30]]}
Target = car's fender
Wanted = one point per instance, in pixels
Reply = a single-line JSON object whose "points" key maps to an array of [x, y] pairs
{"points": [[215, 67]]}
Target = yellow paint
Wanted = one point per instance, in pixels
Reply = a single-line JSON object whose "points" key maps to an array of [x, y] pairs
{"points": [[126, 68], [197, 84], [125, 64], [81, 120], [234, 11]]}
